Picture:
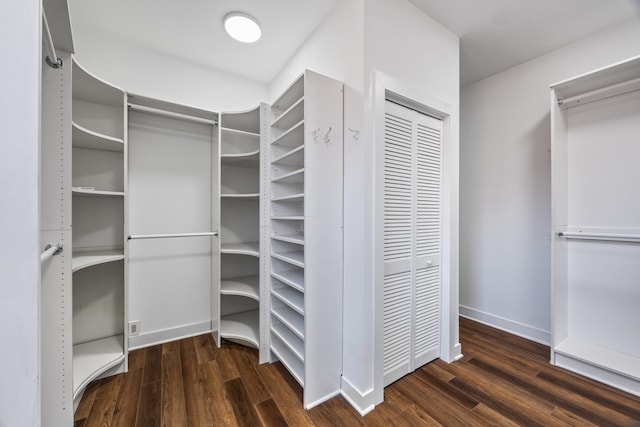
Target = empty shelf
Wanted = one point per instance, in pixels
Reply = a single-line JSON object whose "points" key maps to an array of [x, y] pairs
{"points": [[293, 257], [247, 286], [293, 137], [296, 177], [247, 160], [293, 278], [290, 117], [242, 328], [291, 319], [294, 344], [93, 358], [293, 365], [252, 248], [291, 238], [249, 196], [86, 259], [299, 197], [291, 297]]}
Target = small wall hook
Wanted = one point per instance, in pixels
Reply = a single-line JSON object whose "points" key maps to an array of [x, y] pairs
{"points": [[326, 137]]}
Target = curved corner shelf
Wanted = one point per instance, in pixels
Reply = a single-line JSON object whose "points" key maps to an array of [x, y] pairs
{"points": [[93, 358], [88, 192], [252, 248], [241, 328], [247, 286], [85, 138], [86, 259]]}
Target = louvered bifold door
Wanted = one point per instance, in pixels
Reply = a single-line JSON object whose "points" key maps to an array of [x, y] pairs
{"points": [[411, 240]]}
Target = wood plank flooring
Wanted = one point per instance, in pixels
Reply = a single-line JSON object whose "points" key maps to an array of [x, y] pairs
{"points": [[502, 380]]}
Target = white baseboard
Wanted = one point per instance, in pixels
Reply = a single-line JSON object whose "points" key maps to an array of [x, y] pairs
{"points": [[167, 335], [362, 402], [516, 328]]}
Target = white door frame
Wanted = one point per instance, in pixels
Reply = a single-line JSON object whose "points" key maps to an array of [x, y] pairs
{"points": [[383, 88]]}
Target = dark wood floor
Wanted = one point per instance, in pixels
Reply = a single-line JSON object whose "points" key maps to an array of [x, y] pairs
{"points": [[502, 380]]}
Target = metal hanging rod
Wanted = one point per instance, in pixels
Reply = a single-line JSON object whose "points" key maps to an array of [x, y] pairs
{"points": [[50, 251], [171, 114], [166, 236], [48, 41], [609, 237], [601, 93]]}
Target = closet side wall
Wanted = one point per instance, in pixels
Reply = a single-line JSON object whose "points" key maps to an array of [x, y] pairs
{"points": [[19, 171], [506, 183]]}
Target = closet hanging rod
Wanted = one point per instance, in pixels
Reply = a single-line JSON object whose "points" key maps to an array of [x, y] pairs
{"points": [[171, 114], [630, 238], [601, 93], [48, 41], [166, 236], [50, 251]]}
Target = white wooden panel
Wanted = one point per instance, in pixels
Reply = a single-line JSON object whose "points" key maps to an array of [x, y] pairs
{"points": [[239, 221], [103, 170], [603, 151], [98, 222], [397, 325], [103, 119], [604, 294], [426, 330], [323, 240]]}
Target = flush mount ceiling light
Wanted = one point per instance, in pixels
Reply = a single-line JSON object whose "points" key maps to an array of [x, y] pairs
{"points": [[242, 27]]}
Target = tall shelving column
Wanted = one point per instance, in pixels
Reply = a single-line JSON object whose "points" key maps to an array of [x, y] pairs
{"points": [[306, 234], [237, 300], [98, 206]]}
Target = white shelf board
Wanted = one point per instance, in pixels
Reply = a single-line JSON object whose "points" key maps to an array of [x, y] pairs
{"points": [[242, 328], [293, 278], [84, 138], [251, 248], [299, 197], [605, 358], [252, 196], [296, 176], [291, 116], [290, 319], [292, 137], [291, 238], [86, 191], [288, 157], [292, 257], [288, 218], [86, 259], [247, 286], [291, 94], [92, 358], [291, 297], [293, 365], [295, 344]]}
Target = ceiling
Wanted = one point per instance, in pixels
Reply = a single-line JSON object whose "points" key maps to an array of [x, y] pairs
{"points": [[494, 34]]}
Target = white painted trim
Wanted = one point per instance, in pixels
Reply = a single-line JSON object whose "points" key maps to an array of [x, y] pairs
{"points": [[507, 325], [322, 399], [362, 402], [597, 373], [384, 87], [168, 335]]}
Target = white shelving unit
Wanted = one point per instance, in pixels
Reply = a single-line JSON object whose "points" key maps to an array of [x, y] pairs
{"points": [[595, 121], [305, 172], [237, 298], [98, 205]]}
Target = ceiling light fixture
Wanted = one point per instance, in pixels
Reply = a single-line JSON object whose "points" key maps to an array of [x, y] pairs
{"points": [[242, 27]]}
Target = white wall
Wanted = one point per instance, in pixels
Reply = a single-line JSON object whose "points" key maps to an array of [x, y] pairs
{"points": [[153, 74], [505, 183], [19, 260]]}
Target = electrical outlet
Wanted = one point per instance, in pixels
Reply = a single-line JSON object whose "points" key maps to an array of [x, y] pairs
{"points": [[134, 328]]}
